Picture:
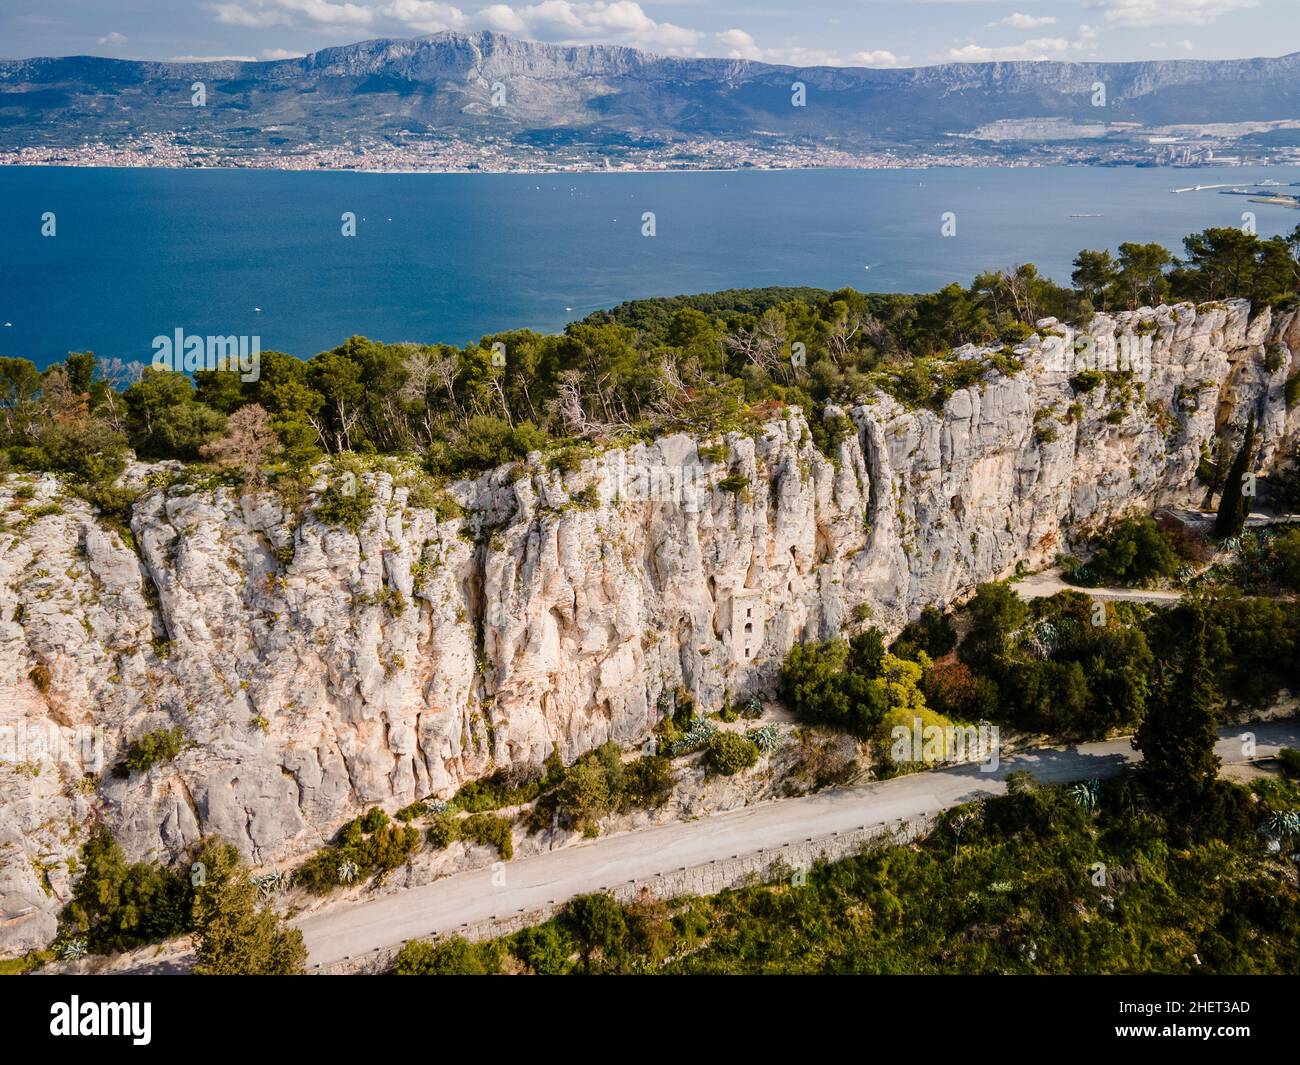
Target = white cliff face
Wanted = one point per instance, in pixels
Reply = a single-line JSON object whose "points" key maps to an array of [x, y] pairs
{"points": [[318, 672]]}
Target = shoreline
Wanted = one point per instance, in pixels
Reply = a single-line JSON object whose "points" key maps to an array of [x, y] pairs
{"points": [[639, 171]]}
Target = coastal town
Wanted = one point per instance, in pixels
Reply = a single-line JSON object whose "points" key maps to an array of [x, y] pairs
{"points": [[451, 153]]}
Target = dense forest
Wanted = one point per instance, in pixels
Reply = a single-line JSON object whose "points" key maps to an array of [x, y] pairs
{"points": [[692, 362]]}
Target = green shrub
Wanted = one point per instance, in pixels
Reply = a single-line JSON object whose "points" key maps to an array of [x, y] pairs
{"points": [[373, 820], [599, 926], [487, 441], [510, 786], [1290, 759], [1133, 552], [545, 949], [1284, 559], [1292, 390], [346, 501], [151, 749], [445, 508], [489, 830], [648, 782], [730, 752], [443, 830], [454, 956], [932, 633], [414, 810], [591, 787], [367, 846], [586, 498]]}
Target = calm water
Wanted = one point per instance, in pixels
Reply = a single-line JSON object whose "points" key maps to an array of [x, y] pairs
{"points": [[450, 257]]}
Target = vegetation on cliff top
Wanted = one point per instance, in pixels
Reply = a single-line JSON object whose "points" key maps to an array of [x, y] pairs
{"points": [[701, 363]]}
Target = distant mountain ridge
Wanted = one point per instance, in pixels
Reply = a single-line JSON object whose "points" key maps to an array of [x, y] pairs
{"points": [[443, 83]]}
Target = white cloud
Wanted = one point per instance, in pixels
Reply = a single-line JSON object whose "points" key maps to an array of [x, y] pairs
{"points": [[879, 58], [502, 17], [280, 53], [426, 16], [265, 13], [584, 21], [1167, 12], [739, 45], [234, 15], [1037, 48], [563, 21], [1024, 22], [327, 14], [113, 38]]}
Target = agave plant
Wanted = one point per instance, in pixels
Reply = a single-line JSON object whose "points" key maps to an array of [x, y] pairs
{"points": [[73, 949], [1283, 823], [1042, 639], [347, 872], [269, 883], [764, 738], [696, 736], [1087, 794]]}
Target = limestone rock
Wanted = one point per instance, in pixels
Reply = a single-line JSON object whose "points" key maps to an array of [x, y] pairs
{"points": [[318, 672]]}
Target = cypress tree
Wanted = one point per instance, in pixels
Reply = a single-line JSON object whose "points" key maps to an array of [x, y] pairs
{"points": [[1233, 505], [1178, 734]]}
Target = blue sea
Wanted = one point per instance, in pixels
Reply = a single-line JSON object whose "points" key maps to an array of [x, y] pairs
{"points": [[437, 257]]}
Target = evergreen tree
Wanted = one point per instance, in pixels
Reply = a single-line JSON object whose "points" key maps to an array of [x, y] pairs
{"points": [[1234, 504], [118, 905], [1178, 734], [233, 936]]}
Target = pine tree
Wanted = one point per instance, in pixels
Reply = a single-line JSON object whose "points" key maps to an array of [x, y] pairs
{"points": [[233, 936], [1233, 504], [1178, 734]]}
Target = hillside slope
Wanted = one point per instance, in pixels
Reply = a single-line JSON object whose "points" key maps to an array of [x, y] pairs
{"points": [[443, 84], [317, 671]]}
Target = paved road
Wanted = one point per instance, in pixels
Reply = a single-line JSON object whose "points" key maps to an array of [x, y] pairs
{"points": [[531, 883]]}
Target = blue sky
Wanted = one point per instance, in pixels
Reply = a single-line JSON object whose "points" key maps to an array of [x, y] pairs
{"points": [[805, 32]]}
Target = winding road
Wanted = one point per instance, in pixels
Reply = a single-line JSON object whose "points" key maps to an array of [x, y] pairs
{"points": [[352, 930]]}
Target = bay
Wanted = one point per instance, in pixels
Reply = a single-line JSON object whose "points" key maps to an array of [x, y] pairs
{"points": [[450, 257]]}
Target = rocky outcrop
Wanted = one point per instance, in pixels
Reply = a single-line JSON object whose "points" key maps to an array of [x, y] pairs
{"points": [[316, 671]]}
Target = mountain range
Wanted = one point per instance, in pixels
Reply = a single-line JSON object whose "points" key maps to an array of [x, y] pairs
{"points": [[547, 96]]}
